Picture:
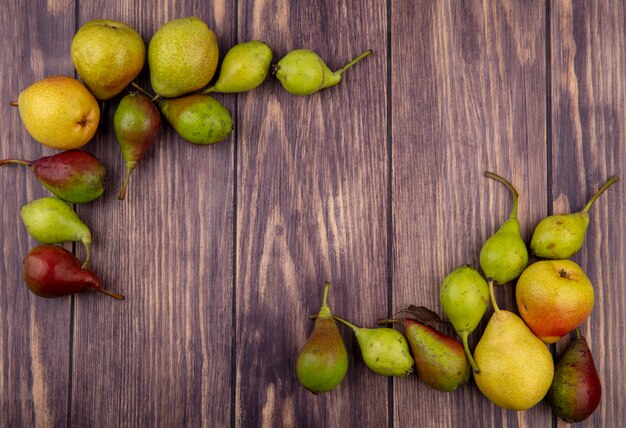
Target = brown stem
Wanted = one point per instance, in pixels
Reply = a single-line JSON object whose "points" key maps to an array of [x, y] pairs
{"points": [[14, 103], [110, 293], [130, 165], [15, 161], [142, 90]]}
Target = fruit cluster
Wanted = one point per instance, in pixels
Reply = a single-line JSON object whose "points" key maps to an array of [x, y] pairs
{"points": [[511, 364], [64, 113]]}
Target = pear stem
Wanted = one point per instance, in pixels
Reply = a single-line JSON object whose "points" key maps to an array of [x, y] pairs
{"points": [[142, 90], [16, 161], [325, 310], [352, 326], [470, 358], [14, 104], [130, 165], [578, 335], [88, 258], [156, 98], [492, 296], [514, 193], [606, 185], [354, 61], [110, 293]]}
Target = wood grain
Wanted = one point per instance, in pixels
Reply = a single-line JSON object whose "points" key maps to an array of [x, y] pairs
{"points": [[311, 206], [375, 185], [588, 146], [162, 357], [468, 96], [34, 332]]}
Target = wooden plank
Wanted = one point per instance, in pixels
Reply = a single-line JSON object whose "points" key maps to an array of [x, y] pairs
{"points": [[162, 357], [468, 95], [34, 332], [311, 206], [588, 145]]}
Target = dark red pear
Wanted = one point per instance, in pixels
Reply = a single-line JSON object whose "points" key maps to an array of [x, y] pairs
{"points": [[137, 124], [74, 175], [576, 389], [52, 271]]}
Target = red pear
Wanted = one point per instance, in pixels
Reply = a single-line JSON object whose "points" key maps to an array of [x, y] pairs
{"points": [[53, 271]]}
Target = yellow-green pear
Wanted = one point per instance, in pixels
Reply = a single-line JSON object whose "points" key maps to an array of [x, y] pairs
{"points": [[245, 67], [516, 367], [560, 236], [182, 56], [107, 55]]}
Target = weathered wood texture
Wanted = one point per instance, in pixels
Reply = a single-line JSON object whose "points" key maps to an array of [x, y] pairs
{"points": [[375, 185], [588, 145], [468, 96], [162, 357], [311, 206], [34, 332]]}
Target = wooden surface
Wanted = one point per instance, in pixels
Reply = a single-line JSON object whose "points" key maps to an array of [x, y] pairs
{"points": [[375, 185]]}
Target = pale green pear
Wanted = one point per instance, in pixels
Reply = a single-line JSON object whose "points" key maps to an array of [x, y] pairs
{"points": [[52, 221], [244, 67], [464, 297], [504, 255], [384, 350], [303, 72]]}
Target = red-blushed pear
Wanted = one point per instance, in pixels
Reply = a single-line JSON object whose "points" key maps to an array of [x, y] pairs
{"points": [[323, 360], [137, 124], [52, 271], [576, 389], [74, 175], [554, 297]]}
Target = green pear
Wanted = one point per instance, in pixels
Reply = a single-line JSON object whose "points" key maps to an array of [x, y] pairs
{"points": [[108, 55], [323, 360], [504, 256], [560, 236], [516, 367], [244, 67], [199, 119], [182, 56], [576, 389], [303, 72], [464, 297], [137, 124], [384, 350], [52, 221]]}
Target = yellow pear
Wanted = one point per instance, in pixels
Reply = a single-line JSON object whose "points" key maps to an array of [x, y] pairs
{"points": [[516, 367], [182, 56], [107, 55], [59, 112]]}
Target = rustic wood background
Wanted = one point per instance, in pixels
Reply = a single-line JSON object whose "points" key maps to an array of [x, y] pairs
{"points": [[376, 185]]}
